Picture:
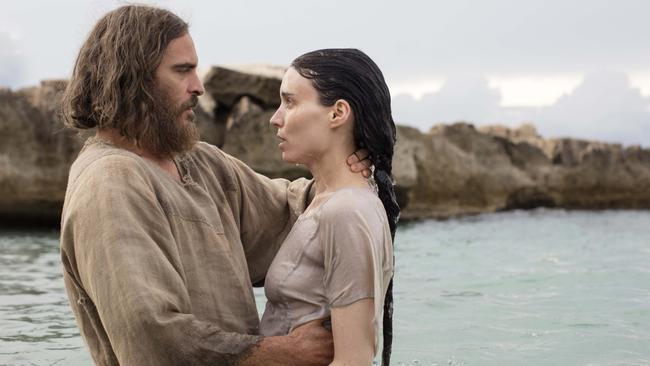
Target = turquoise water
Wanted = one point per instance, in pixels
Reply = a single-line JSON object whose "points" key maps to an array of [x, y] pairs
{"points": [[543, 287]]}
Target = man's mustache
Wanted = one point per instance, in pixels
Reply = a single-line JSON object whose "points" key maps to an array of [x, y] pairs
{"points": [[190, 103]]}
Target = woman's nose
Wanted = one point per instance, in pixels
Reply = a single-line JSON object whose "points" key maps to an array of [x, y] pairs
{"points": [[276, 119]]}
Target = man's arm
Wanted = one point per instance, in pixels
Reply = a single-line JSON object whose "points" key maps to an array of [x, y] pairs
{"points": [[264, 209], [309, 344]]}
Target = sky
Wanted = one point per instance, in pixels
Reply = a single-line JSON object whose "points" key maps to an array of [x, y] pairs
{"points": [[573, 68]]}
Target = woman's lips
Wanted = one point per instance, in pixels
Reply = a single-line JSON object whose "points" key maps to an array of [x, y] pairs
{"points": [[281, 140]]}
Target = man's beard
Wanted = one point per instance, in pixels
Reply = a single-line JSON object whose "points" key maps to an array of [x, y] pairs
{"points": [[165, 135]]}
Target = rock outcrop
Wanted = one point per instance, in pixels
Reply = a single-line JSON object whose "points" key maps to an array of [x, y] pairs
{"points": [[450, 170], [35, 153], [589, 175]]}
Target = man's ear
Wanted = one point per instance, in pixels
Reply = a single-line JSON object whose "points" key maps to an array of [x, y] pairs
{"points": [[340, 113]]}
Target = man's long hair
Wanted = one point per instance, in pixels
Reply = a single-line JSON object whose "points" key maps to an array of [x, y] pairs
{"points": [[113, 82]]}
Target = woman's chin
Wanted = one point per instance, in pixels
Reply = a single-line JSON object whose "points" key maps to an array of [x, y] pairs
{"points": [[286, 158], [289, 159]]}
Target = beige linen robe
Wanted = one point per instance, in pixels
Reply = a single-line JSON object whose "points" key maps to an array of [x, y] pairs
{"points": [[159, 272]]}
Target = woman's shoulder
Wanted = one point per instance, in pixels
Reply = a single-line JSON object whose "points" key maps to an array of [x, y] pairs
{"points": [[351, 203]]}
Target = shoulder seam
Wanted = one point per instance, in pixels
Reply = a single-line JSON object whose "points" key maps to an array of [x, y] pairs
{"points": [[331, 198], [94, 162]]}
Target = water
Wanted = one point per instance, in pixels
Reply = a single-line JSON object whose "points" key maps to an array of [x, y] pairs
{"points": [[544, 287], [36, 324]]}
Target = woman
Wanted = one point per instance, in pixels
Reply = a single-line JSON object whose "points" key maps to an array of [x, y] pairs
{"points": [[338, 259]]}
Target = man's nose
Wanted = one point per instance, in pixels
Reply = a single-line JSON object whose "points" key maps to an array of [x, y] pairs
{"points": [[196, 86]]}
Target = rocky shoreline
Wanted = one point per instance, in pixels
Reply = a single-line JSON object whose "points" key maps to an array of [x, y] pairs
{"points": [[450, 170]]}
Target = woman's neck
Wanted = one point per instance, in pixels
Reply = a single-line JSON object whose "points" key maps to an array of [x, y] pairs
{"points": [[332, 172]]}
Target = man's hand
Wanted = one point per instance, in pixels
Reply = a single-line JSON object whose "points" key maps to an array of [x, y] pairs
{"points": [[310, 344], [314, 344], [359, 162]]}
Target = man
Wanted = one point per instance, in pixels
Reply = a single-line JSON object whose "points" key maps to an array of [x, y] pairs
{"points": [[161, 236]]}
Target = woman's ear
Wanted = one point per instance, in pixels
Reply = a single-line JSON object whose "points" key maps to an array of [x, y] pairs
{"points": [[340, 113]]}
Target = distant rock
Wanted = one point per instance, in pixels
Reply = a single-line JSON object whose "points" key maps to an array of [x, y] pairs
{"points": [[466, 171], [526, 132], [252, 140], [455, 169], [585, 174], [35, 153], [227, 86]]}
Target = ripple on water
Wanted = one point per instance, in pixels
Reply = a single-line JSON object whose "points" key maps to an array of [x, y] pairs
{"points": [[36, 324], [446, 293]]}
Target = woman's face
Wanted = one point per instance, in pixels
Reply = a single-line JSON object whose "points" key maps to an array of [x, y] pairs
{"points": [[302, 121]]}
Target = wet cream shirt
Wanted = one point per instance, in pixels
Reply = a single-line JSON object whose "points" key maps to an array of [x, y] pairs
{"points": [[335, 254]]}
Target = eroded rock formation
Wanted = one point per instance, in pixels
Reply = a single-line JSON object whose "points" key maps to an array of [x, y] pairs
{"points": [[450, 170]]}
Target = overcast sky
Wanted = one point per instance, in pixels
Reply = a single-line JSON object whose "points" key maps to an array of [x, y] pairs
{"points": [[574, 68]]}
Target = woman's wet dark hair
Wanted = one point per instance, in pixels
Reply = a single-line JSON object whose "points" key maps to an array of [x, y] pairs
{"points": [[349, 74]]}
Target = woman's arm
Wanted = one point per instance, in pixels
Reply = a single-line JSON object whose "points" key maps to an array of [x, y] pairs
{"points": [[354, 333], [357, 259]]}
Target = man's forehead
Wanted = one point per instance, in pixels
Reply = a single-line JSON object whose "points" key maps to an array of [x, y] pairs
{"points": [[180, 51]]}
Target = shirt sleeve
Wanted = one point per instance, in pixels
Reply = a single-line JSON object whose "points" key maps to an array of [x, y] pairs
{"points": [[124, 259], [266, 210], [353, 247]]}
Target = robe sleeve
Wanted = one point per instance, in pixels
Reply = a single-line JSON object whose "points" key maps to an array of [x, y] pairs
{"points": [[266, 209], [123, 265]]}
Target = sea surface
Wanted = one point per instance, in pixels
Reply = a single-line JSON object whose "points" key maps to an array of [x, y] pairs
{"points": [[541, 287]]}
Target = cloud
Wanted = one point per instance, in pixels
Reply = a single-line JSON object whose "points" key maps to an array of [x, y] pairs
{"points": [[603, 107], [432, 39], [413, 40], [450, 103], [11, 62]]}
